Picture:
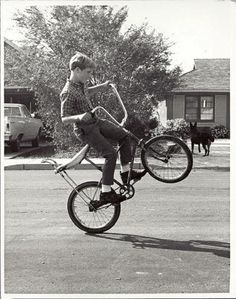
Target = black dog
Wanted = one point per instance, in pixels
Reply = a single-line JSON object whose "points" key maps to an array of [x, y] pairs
{"points": [[204, 138]]}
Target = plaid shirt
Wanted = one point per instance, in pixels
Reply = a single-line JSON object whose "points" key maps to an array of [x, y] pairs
{"points": [[75, 100]]}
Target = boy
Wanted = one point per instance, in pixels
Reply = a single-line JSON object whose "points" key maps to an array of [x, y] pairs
{"points": [[76, 108]]}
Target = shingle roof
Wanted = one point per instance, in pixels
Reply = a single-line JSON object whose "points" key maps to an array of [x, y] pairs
{"points": [[11, 44], [207, 75]]}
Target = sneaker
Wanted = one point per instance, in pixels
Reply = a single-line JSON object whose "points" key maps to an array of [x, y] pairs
{"points": [[135, 175], [107, 197]]}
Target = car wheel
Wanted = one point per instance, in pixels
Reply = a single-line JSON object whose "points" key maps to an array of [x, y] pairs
{"points": [[35, 142], [15, 145]]}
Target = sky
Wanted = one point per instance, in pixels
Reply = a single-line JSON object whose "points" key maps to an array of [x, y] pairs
{"points": [[198, 28]]}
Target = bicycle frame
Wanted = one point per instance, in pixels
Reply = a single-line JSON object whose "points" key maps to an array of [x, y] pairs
{"points": [[128, 189], [105, 213]]}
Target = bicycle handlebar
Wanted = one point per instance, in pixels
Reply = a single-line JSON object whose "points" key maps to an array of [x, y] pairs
{"points": [[121, 103]]}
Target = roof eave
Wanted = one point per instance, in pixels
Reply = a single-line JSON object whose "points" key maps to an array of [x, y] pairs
{"points": [[12, 45], [224, 90]]}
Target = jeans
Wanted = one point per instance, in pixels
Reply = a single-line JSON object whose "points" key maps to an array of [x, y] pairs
{"points": [[96, 136]]}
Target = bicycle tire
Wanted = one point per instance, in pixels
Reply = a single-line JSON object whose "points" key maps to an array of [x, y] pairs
{"points": [[167, 159], [96, 221]]}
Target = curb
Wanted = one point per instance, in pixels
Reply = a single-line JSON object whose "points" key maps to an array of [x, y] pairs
{"points": [[219, 168], [45, 166], [88, 166]]}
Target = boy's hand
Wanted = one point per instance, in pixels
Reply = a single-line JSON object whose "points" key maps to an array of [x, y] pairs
{"points": [[107, 84], [86, 117], [100, 87]]}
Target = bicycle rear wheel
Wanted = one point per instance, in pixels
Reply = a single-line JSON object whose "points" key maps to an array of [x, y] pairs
{"points": [[167, 159], [82, 213]]}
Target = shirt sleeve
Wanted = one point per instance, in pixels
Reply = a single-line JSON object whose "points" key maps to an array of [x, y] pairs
{"points": [[67, 105]]}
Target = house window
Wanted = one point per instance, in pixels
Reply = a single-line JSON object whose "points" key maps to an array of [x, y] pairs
{"points": [[207, 108], [192, 108], [199, 108]]}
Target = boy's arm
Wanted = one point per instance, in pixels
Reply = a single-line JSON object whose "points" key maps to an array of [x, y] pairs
{"points": [[79, 118], [67, 111], [97, 88]]}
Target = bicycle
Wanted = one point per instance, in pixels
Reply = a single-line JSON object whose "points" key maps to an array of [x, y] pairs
{"points": [[166, 158]]}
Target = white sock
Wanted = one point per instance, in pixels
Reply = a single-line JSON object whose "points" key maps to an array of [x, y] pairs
{"points": [[124, 168], [106, 188]]}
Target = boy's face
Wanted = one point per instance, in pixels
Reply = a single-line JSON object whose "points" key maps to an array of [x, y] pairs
{"points": [[83, 75]]}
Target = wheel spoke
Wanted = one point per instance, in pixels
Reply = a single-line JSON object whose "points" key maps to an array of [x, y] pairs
{"points": [[167, 158], [91, 220]]}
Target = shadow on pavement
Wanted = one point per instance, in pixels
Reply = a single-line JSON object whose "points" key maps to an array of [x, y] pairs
{"points": [[221, 249]]}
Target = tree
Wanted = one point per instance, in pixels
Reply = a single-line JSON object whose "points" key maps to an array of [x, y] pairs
{"points": [[136, 60]]}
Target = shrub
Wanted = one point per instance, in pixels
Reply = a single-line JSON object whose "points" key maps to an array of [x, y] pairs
{"points": [[142, 128], [220, 131], [176, 127]]}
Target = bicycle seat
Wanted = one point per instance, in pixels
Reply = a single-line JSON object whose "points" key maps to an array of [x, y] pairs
{"points": [[77, 159]]}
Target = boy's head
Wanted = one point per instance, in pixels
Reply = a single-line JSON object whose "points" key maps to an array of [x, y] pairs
{"points": [[81, 67], [81, 61]]}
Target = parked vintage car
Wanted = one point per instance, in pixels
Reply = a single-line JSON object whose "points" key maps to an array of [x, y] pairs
{"points": [[20, 126]]}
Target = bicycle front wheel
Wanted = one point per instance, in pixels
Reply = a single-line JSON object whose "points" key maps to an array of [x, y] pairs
{"points": [[167, 159], [82, 213]]}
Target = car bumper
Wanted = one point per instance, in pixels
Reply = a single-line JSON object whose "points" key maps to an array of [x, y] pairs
{"points": [[7, 137]]}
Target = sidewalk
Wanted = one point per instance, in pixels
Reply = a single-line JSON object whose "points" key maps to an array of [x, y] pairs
{"points": [[219, 159]]}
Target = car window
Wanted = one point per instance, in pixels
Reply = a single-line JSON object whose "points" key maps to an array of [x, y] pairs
{"points": [[26, 112], [12, 111]]}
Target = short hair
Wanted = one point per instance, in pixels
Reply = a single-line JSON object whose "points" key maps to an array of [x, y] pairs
{"points": [[82, 61]]}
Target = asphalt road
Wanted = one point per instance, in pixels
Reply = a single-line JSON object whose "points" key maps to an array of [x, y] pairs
{"points": [[170, 238]]}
